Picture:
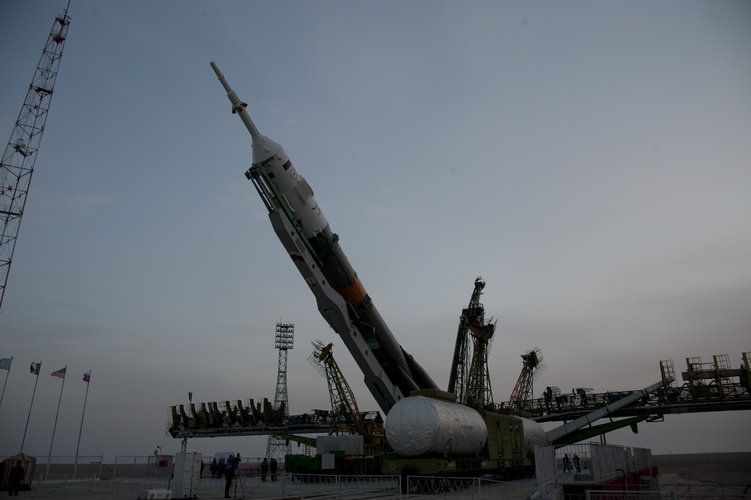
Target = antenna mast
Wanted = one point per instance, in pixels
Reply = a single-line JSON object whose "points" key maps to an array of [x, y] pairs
{"points": [[18, 160]]}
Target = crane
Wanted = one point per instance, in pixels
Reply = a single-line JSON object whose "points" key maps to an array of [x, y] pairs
{"points": [[19, 157]]}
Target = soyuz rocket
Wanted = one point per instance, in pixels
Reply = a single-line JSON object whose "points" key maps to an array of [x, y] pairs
{"points": [[390, 372], [416, 425]]}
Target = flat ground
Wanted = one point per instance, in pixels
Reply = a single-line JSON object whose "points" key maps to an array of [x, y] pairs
{"points": [[729, 473], [726, 474]]}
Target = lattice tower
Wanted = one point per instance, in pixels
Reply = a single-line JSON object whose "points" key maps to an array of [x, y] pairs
{"points": [[532, 366], [343, 403], [285, 333], [479, 394], [17, 164], [460, 366]]}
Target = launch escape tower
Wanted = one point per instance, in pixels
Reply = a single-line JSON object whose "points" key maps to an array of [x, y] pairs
{"points": [[470, 380], [17, 164], [285, 333]]}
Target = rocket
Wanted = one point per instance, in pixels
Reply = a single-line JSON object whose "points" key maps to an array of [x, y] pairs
{"points": [[390, 372]]}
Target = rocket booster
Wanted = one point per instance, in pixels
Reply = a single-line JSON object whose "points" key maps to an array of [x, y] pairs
{"points": [[390, 372]]}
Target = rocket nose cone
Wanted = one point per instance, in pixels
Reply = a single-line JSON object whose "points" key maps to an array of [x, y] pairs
{"points": [[264, 148]]}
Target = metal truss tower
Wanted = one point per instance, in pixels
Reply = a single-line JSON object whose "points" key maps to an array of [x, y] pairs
{"points": [[470, 380], [460, 364], [20, 154], [285, 333], [343, 403], [523, 391]]}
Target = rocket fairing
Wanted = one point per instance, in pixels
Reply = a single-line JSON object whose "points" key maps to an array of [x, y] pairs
{"points": [[390, 372]]}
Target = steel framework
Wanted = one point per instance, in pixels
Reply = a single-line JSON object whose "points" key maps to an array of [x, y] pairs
{"points": [[17, 164], [470, 378], [707, 387], [531, 369], [285, 333], [343, 403]]}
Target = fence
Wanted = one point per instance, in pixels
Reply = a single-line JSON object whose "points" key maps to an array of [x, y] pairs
{"points": [[465, 487], [59, 468], [71, 468], [245, 486], [338, 486]]}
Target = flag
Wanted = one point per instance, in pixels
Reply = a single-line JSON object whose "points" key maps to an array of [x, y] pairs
{"points": [[60, 373], [87, 377], [5, 363], [35, 367]]}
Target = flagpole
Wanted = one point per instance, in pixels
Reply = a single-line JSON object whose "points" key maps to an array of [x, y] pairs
{"points": [[80, 430], [32, 404], [54, 427], [6, 381]]}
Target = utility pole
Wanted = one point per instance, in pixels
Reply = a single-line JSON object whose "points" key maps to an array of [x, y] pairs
{"points": [[285, 333], [20, 154]]}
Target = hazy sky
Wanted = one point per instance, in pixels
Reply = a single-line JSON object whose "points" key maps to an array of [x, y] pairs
{"points": [[590, 160]]}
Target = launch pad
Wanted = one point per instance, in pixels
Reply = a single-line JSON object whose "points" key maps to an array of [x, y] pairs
{"points": [[470, 433]]}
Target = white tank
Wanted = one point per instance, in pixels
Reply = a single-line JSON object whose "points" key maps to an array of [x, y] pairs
{"points": [[420, 425]]}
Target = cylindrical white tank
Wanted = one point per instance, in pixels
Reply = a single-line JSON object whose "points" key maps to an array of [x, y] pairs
{"points": [[420, 425]]}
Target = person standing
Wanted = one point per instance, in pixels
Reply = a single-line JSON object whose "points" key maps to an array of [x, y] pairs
{"points": [[566, 463], [273, 466], [15, 478], [264, 469], [229, 474], [577, 464]]}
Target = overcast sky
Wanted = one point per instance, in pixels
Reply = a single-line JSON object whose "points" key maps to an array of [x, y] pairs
{"points": [[590, 160]]}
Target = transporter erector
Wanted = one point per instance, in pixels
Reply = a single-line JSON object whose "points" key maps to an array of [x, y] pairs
{"points": [[423, 423]]}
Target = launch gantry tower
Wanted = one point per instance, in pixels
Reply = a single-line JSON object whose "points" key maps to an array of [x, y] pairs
{"points": [[285, 333], [532, 366], [17, 164], [343, 402], [470, 380]]}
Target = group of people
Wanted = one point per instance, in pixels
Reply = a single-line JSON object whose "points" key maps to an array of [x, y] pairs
{"points": [[228, 468], [267, 465], [567, 463]]}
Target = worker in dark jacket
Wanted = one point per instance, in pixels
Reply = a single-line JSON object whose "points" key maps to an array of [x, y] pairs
{"points": [[15, 478], [229, 474]]}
